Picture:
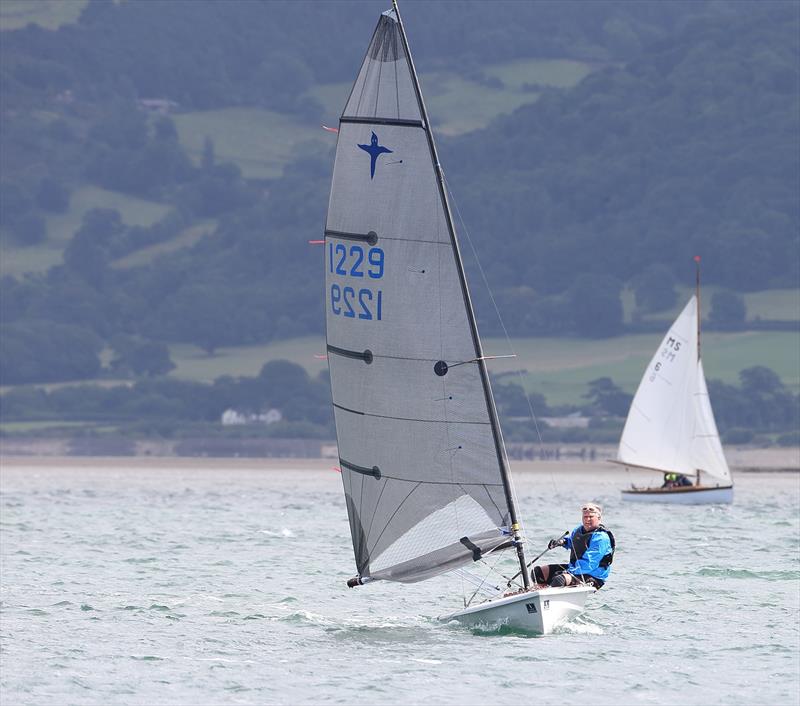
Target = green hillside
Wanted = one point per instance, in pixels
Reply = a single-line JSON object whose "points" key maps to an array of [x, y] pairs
{"points": [[17, 260], [259, 142], [559, 368], [164, 169]]}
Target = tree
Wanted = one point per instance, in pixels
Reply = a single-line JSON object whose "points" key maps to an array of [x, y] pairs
{"points": [[608, 398], [88, 251], [596, 305], [14, 203], [52, 196], [43, 351], [512, 401], [282, 381], [727, 310], [30, 229], [654, 289], [209, 160], [141, 357]]}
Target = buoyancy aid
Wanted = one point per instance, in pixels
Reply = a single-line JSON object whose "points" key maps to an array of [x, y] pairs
{"points": [[580, 543]]}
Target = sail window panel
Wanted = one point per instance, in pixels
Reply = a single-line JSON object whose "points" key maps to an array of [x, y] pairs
{"points": [[414, 309], [408, 389], [435, 532], [384, 87], [660, 425], [441, 560], [418, 479], [395, 540], [396, 195]]}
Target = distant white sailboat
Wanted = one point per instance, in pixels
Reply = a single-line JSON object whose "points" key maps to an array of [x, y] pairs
{"points": [[422, 457], [670, 426]]}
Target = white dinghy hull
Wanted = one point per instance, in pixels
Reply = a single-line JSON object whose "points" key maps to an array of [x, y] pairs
{"points": [[537, 611], [690, 495]]}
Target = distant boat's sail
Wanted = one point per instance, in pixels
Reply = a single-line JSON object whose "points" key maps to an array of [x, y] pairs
{"points": [[707, 454], [670, 425], [421, 459]]}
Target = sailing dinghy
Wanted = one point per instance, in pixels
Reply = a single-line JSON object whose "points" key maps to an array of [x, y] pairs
{"points": [[670, 426], [421, 454]]}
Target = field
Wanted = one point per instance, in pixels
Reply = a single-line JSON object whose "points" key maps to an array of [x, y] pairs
{"points": [[49, 14], [260, 142], [186, 238], [458, 105], [60, 228], [559, 368], [774, 304], [192, 363]]}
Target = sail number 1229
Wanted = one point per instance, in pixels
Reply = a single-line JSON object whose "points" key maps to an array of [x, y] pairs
{"points": [[363, 303]]}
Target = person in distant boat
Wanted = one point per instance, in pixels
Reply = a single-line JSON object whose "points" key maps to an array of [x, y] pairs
{"points": [[675, 480], [591, 552]]}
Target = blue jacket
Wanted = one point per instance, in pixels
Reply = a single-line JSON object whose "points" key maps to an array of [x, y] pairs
{"points": [[588, 563]]}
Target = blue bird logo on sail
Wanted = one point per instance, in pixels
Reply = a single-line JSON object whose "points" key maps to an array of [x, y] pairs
{"points": [[374, 150]]}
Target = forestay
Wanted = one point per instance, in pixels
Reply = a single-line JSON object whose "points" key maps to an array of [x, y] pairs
{"points": [[670, 425], [420, 459]]}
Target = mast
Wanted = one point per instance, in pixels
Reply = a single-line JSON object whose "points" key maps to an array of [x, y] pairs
{"points": [[697, 297], [493, 418]]}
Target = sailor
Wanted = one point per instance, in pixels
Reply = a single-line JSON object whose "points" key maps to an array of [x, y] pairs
{"points": [[675, 480], [591, 552]]}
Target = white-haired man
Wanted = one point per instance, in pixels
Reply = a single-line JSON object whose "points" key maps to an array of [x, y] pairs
{"points": [[591, 552]]}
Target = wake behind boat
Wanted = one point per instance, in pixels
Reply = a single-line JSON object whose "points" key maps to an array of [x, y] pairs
{"points": [[670, 427], [422, 457]]}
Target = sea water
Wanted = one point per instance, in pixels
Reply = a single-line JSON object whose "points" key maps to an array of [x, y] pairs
{"points": [[224, 583]]}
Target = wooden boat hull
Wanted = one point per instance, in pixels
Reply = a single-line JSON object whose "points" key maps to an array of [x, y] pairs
{"points": [[537, 611], [689, 495]]}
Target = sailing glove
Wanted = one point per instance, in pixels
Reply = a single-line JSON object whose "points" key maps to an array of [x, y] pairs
{"points": [[553, 543]]}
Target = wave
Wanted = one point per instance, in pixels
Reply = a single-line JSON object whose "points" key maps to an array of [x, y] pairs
{"points": [[748, 574]]}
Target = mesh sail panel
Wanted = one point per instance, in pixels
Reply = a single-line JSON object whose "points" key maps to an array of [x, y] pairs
{"points": [[384, 87], [419, 463]]}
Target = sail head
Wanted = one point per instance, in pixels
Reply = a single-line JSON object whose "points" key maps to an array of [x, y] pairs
{"points": [[384, 87]]}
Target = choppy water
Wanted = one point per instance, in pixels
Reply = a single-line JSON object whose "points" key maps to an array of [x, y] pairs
{"points": [[226, 586]]}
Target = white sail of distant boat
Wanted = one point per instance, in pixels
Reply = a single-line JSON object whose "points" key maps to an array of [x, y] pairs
{"points": [[670, 426], [421, 453]]}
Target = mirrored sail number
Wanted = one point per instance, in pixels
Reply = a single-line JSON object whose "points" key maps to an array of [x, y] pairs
{"points": [[363, 303], [668, 354], [353, 261]]}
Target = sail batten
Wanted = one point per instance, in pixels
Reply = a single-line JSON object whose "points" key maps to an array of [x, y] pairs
{"points": [[397, 301], [383, 121]]}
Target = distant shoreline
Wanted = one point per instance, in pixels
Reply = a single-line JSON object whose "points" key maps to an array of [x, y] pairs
{"points": [[741, 460]]}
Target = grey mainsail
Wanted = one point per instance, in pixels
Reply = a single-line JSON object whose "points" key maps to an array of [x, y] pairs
{"points": [[422, 459]]}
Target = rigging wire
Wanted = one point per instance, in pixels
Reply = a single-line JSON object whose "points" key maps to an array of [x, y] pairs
{"points": [[465, 230]]}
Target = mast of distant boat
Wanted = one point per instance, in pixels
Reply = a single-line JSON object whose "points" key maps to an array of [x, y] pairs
{"points": [[697, 297], [493, 418]]}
